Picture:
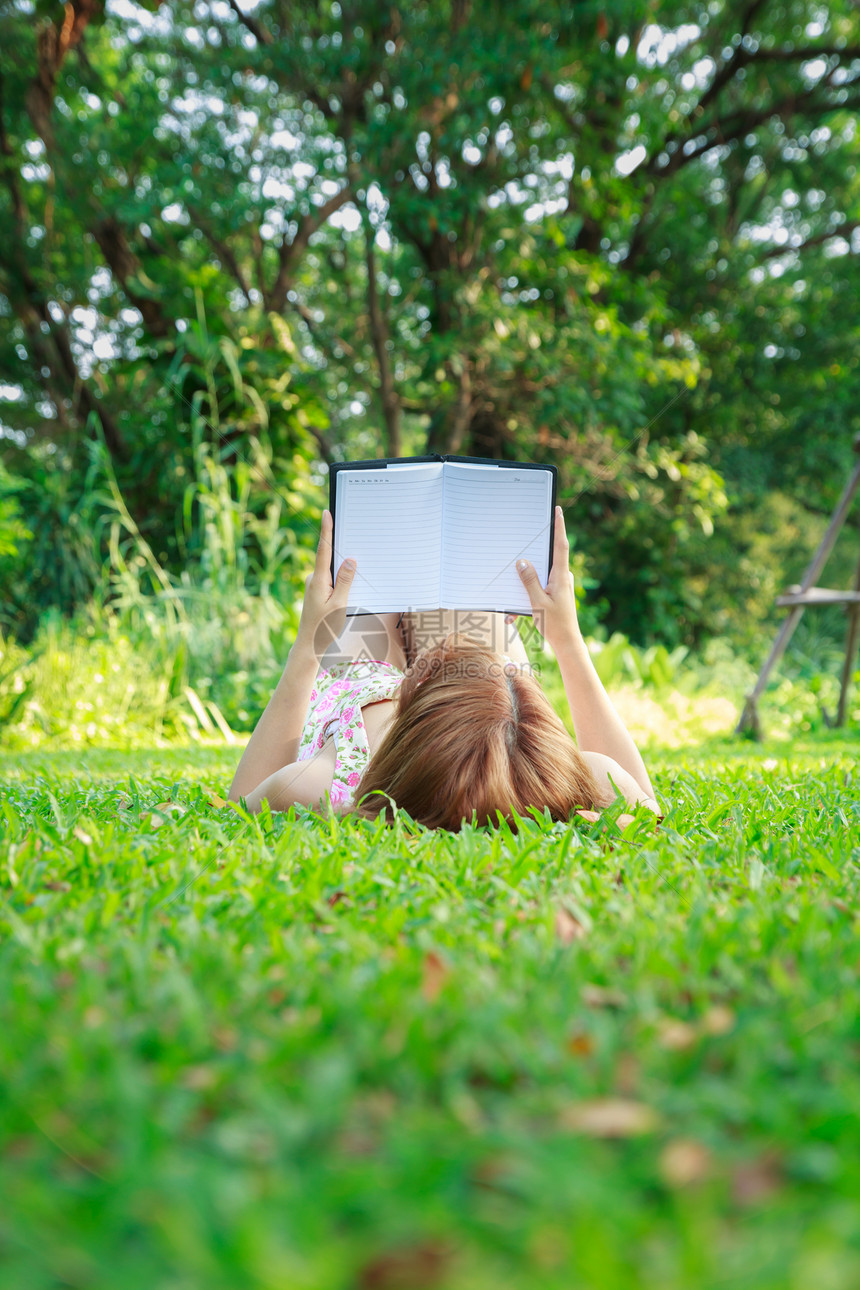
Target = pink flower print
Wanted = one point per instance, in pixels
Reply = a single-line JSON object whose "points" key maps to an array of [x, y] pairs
{"points": [[339, 793], [314, 695], [353, 778], [348, 714]]}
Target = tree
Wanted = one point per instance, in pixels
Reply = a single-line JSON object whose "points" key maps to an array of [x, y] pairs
{"points": [[548, 230]]}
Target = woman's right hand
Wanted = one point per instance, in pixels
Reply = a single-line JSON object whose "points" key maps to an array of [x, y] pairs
{"points": [[324, 607], [554, 606]]}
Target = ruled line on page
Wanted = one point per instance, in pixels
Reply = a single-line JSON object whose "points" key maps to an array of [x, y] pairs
{"points": [[492, 518], [390, 524]]}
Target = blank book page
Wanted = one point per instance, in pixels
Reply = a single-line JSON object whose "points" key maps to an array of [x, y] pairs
{"points": [[390, 522], [491, 517]]}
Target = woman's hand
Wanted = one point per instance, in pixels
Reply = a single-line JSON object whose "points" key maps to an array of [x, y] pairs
{"points": [[554, 606], [324, 608]]}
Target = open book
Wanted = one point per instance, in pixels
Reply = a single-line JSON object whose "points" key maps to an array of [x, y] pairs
{"points": [[441, 532]]}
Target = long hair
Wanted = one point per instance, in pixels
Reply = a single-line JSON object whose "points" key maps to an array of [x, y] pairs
{"points": [[473, 737]]}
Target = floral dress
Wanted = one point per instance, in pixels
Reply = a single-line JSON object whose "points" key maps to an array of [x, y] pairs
{"points": [[337, 698]]}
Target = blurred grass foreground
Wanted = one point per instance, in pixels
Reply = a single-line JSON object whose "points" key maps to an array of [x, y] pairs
{"points": [[296, 1051]]}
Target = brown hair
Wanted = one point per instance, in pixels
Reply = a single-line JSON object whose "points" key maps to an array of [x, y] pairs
{"points": [[473, 736]]}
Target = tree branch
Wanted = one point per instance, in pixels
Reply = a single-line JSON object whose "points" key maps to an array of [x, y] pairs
{"points": [[379, 334], [843, 231], [312, 325], [223, 250], [718, 132], [731, 66], [247, 20], [289, 252], [127, 270], [53, 42]]}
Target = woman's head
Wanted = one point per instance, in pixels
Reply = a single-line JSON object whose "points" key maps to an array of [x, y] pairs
{"points": [[473, 736]]}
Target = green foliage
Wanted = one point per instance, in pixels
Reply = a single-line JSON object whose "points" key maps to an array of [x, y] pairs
{"points": [[298, 1051], [71, 689], [12, 527], [160, 655], [616, 660], [626, 244], [230, 500]]}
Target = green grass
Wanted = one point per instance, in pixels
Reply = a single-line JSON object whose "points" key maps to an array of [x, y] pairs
{"points": [[306, 1053]]}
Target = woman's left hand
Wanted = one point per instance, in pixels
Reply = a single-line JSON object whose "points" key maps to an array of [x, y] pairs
{"points": [[324, 608]]}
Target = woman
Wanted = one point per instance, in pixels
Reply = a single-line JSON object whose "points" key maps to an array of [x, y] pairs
{"points": [[465, 733]]}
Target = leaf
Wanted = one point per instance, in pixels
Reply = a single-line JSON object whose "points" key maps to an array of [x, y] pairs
{"points": [[109, 908], [602, 996], [756, 874], [162, 812], [676, 1035], [591, 816], [827, 867], [718, 1020], [683, 1162], [198, 1078], [756, 1180], [610, 1117], [412, 1267], [199, 710], [567, 928], [580, 1044], [216, 801], [434, 975]]}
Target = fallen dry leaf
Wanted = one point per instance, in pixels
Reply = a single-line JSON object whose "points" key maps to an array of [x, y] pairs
{"points": [[718, 1020], [226, 1039], [610, 1117], [434, 975], [683, 1162], [626, 1078], [602, 996], [567, 928], [161, 812], [198, 1078], [591, 816], [412, 1267], [580, 1044], [216, 801], [756, 1180], [676, 1035]]}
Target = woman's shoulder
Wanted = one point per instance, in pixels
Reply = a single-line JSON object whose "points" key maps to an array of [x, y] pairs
{"points": [[613, 779]]}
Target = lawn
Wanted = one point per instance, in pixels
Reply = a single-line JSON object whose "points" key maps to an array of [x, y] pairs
{"points": [[328, 1055]]}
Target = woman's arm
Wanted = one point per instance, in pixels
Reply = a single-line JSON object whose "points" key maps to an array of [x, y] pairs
{"points": [[599, 729], [305, 783], [275, 741]]}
